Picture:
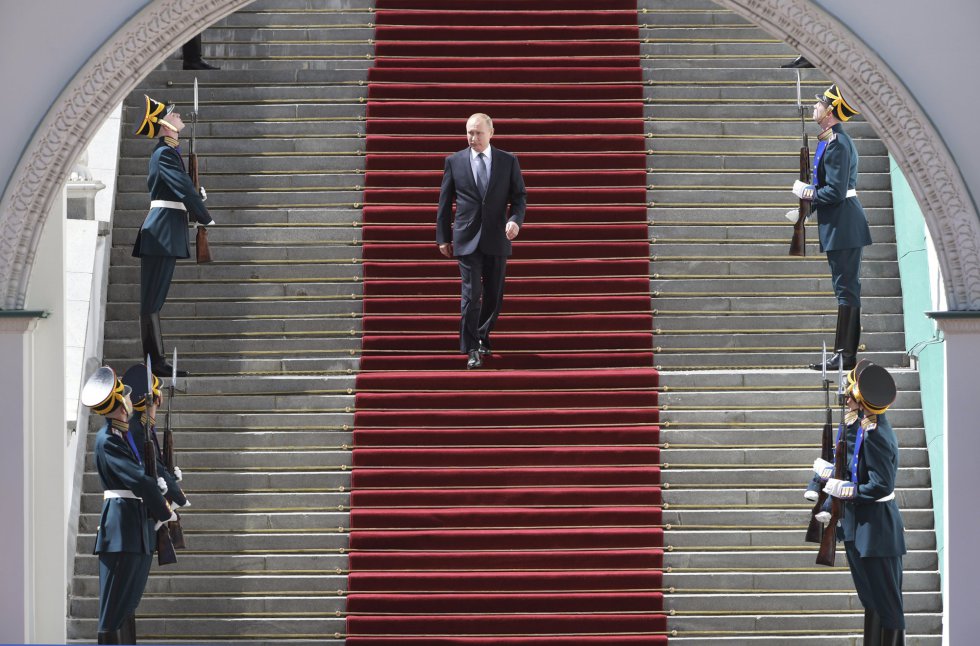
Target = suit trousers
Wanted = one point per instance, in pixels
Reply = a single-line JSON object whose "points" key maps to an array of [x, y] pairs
{"points": [[482, 295], [156, 272], [122, 578], [845, 272], [878, 580]]}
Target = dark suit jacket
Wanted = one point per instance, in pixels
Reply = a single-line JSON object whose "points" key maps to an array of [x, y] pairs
{"points": [[840, 219], [480, 222], [126, 524], [875, 527], [164, 231]]}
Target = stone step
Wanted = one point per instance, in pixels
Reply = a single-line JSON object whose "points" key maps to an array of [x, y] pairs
{"points": [[305, 521], [159, 607], [683, 359], [748, 217], [739, 160], [285, 628], [775, 303], [258, 565], [777, 540], [745, 477], [232, 481]]}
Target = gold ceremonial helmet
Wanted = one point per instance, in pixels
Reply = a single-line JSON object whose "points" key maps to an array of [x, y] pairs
{"points": [[153, 117], [103, 391], [872, 387], [832, 96]]}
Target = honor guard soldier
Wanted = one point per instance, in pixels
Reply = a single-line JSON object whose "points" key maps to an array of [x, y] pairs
{"points": [[163, 237], [132, 509], [871, 526], [145, 419], [842, 224]]}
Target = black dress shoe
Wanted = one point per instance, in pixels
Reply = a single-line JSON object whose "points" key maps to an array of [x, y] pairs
{"points": [[484, 348], [799, 63], [199, 65], [474, 361]]}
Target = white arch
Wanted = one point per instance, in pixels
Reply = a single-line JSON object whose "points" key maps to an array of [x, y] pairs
{"points": [[136, 49]]}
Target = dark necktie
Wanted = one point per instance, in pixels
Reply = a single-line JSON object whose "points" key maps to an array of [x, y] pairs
{"points": [[481, 174]]}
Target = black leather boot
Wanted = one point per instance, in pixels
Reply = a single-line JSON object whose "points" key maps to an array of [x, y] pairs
{"points": [[798, 63], [892, 637], [110, 637], [842, 322], [872, 628], [152, 336], [192, 56], [852, 338]]}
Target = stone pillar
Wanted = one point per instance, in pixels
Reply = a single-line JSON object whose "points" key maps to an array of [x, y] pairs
{"points": [[17, 406], [46, 521], [962, 561]]}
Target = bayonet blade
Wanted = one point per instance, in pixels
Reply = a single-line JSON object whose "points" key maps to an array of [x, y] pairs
{"points": [[196, 103], [823, 362], [799, 93], [149, 379], [173, 372]]}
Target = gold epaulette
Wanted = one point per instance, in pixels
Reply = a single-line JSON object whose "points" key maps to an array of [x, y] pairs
{"points": [[119, 425], [869, 423], [850, 417]]}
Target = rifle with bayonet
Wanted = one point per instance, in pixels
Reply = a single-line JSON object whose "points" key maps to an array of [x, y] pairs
{"points": [[176, 531], [165, 547], [814, 532], [201, 242], [797, 246], [827, 553]]}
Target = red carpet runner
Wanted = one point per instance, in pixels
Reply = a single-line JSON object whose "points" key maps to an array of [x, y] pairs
{"points": [[520, 503]]}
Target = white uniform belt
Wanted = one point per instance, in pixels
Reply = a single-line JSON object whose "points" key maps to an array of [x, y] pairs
{"points": [[851, 192], [119, 493], [167, 204], [890, 496]]}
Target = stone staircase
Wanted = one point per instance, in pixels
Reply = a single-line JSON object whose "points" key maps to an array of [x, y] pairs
{"points": [[737, 318], [271, 333]]}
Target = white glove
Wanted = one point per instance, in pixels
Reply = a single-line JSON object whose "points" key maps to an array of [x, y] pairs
{"points": [[178, 476], [811, 495], [204, 195], [843, 489], [162, 485], [793, 215], [803, 190], [822, 517], [161, 523], [823, 469]]}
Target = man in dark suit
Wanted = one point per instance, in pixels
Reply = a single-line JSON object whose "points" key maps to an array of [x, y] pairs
{"points": [[485, 183], [871, 526], [842, 224], [132, 509], [163, 238]]}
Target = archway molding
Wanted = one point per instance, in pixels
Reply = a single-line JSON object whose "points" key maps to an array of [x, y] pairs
{"points": [[144, 42]]}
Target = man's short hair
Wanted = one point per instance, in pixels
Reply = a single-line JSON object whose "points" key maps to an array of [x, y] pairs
{"points": [[485, 117]]}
